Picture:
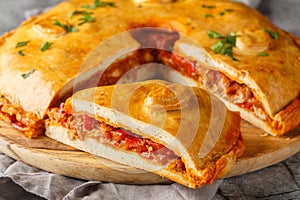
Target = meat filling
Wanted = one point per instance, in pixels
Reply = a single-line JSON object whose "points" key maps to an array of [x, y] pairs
{"points": [[215, 81], [21, 120], [82, 126]]}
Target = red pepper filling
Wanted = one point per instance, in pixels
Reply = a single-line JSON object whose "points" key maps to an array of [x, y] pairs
{"points": [[181, 64], [19, 119], [213, 80], [83, 125]]}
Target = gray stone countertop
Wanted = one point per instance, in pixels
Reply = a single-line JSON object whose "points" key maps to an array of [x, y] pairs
{"points": [[280, 181]]}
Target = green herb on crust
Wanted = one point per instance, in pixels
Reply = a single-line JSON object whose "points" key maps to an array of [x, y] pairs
{"points": [[66, 27], [46, 46], [214, 34], [21, 44], [229, 10], [98, 3], [86, 18], [78, 12], [274, 35], [225, 45], [26, 75], [208, 6], [263, 54], [21, 53], [208, 15]]}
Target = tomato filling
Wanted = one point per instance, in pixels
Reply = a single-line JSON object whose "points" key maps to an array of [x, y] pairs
{"points": [[215, 81], [82, 126], [19, 119]]}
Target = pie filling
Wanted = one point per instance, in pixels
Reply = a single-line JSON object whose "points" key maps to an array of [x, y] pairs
{"points": [[83, 126], [216, 82], [20, 119]]}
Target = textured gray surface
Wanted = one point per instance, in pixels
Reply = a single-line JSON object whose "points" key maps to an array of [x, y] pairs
{"points": [[279, 181], [21, 181], [284, 13]]}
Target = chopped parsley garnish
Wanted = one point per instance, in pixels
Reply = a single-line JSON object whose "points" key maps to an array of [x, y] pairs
{"points": [[66, 27], [225, 45], [263, 54], [229, 10], [21, 53], [21, 44], [78, 12], [26, 75], [214, 34], [209, 7], [46, 46], [274, 35], [98, 3], [208, 15], [86, 16], [226, 10]]}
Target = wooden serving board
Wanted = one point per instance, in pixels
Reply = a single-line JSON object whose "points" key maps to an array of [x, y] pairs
{"points": [[262, 150]]}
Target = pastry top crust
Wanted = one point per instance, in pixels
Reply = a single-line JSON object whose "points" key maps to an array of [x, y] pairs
{"points": [[275, 79], [190, 121]]}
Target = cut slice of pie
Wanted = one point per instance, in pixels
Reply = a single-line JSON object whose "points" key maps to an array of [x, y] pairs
{"points": [[179, 132]]}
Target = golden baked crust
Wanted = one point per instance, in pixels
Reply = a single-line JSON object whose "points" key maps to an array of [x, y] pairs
{"points": [[274, 80], [189, 121]]}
